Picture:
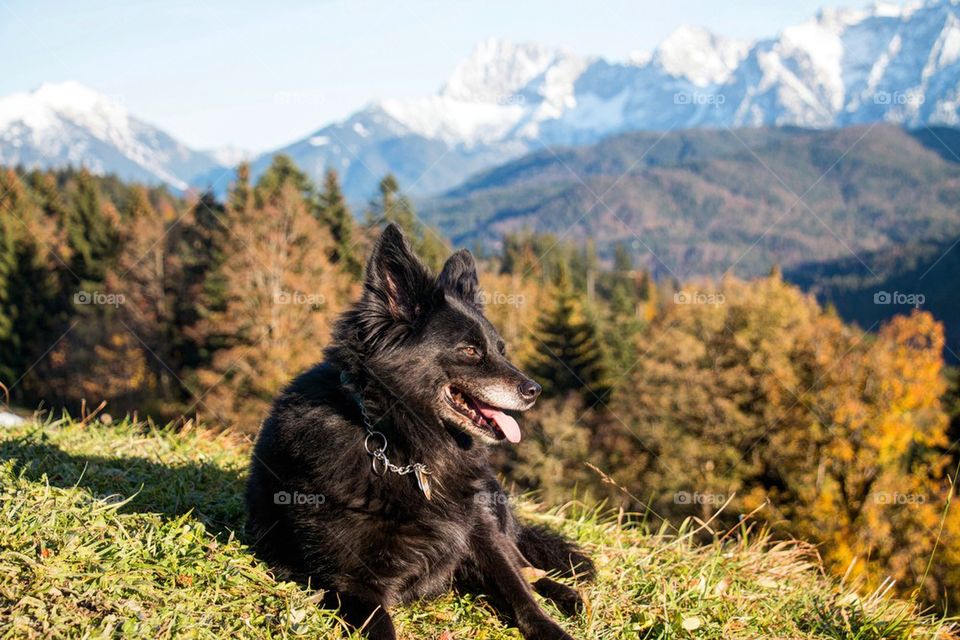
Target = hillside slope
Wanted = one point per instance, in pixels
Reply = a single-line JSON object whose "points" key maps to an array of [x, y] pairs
{"points": [[696, 203], [130, 531], [915, 273]]}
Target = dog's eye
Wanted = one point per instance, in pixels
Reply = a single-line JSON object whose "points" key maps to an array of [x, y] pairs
{"points": [[470, 352]]}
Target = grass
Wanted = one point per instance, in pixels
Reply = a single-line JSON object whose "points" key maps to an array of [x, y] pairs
{"points": [[130, 530]]}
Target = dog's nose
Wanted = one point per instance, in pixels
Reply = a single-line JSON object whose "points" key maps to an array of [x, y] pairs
{"points": [[530, 389]]}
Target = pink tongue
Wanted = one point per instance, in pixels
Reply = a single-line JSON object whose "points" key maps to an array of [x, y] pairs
{"points": [[506, 423]]}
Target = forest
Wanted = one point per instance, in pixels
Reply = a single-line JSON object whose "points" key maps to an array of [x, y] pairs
{"points": [[712, 399]]}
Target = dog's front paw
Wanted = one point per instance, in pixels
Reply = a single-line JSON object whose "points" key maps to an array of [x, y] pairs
{"points": [[543, 628], [567, 600]]}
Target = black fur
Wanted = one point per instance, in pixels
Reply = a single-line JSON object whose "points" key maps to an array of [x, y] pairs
{"points": [[372, 541]]}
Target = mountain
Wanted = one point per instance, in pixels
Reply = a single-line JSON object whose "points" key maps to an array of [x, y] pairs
{"points": [[699, 202], [872, 287], [65, 124], [888, 63]]}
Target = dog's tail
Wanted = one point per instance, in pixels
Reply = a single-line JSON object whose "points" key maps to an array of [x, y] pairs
{"points": [[550, 551]]}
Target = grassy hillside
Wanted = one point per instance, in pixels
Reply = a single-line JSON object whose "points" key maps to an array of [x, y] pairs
{"points": [[705, 200], [128, 530]]}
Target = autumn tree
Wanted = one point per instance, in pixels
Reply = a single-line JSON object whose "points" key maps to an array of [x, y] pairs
{"points": [[751, 392], [147, 277], [281, 293]]}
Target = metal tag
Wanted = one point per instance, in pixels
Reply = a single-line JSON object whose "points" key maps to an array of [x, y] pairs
{"points": [[423, 480]]}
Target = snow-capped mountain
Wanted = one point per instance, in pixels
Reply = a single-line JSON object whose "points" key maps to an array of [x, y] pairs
{"points": [[69, 124], [893, 63]]}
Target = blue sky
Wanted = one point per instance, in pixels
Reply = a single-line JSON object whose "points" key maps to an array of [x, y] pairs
{"points": [[260, 74]]}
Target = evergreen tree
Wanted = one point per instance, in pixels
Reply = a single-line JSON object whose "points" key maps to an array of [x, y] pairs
{"points": [[201, 243], [623, 291], [282, 172], [393, 206], [90, 232], [570, 356], [628, 297], [241, 192], [30, 297], [9, 340], [333, 212]]}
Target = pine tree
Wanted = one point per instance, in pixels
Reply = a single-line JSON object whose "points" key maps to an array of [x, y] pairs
{"points": [[623, 292], [570, 356], [332, 210], [9, 340], [623, 321], [283, 171], [30, 299], [240, 192], [395, 207], [201, 243], [90, 232]]}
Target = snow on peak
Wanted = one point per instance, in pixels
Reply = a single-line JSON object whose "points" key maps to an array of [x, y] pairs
{"points": [[68, 123], [699, 55], [230, 156], [72, 95], [496, 71], [51, 103]]}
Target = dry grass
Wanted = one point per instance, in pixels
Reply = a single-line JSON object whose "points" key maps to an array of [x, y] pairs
{"points": [[128, 530]]}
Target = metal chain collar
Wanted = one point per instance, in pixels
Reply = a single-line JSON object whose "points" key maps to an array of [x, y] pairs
{"points": [[380, 463]]}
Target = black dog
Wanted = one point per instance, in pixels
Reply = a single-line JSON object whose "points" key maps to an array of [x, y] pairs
{"points": [[370, 477]]}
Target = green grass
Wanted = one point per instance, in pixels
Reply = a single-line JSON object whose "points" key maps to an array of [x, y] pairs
{"points": [[129, 530]]}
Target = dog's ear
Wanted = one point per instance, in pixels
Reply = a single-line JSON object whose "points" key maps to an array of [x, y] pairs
{"points": [[459, 277], [396, 279]]}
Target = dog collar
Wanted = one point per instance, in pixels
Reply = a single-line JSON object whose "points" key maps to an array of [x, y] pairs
{"points": [[375, 444]]}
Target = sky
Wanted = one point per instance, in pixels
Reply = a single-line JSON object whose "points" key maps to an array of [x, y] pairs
{"points": [[257, 75]]}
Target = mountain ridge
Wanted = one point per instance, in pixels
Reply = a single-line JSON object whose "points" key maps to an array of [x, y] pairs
{"points": [[697, 203], [69, 124], [843, 67]]}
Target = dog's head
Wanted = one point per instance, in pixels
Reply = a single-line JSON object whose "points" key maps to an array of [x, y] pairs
{"points": [[425, 340]]}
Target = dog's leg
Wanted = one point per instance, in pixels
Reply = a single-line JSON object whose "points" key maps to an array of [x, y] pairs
{"points": [[551, 552], [567, 600], [495, 557], [369, 617]]}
